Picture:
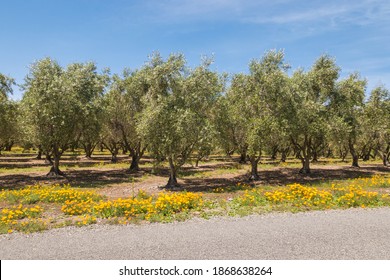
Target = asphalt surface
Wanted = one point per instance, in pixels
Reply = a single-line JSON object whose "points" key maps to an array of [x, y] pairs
{"points": [[340, 234]]}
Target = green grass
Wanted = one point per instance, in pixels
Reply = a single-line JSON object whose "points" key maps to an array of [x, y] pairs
{"points": [[234, 200], [192, 174], [63, 167], [85, 207], [24, 170], [244, 200], [31, 226], [5, 228]]}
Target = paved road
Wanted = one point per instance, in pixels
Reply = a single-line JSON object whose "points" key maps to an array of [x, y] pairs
{"points": [[348, 234]]}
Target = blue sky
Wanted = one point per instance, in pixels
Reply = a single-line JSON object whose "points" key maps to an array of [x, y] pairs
{"points": [[119, 34]]}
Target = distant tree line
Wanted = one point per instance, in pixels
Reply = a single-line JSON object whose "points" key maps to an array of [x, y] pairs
{"points": [[176, 112]]}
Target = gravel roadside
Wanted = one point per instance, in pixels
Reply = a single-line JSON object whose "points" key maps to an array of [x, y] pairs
{"points": [[334, 234]]}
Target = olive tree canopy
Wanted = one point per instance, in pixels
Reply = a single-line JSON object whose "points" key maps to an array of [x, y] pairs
{"points": [[179, 102], [254, 104], [53, 105], [306, 107]]}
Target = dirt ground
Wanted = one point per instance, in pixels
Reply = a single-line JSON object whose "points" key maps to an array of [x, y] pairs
{"points": [[114, 180]]}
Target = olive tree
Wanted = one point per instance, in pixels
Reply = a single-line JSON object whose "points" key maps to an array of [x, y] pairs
{"points": [[346, 104], [206, 144], [254, 104], [231, 134], [52, 107], [8, 124], [306, 111], [115, 119], [134, 87], [225, 130], [6, 84], [179, 101], [377, 122], [44, 110], [89, 86], [8, 113], [338, 136], [245, 107]]}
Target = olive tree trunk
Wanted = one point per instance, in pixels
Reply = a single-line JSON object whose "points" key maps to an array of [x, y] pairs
{"points": [[355, 156], [48, 159], [114, 158], [88, 149], [39, 155], [385, 156], [305, 165], [355, 160], [172, 182], [274, 152], [55, 168], [315, 156], [243, 157], [385, 161], [113, 147], [9, 145], [284, 153], [134, 165], [254, 175], [136, 155]]}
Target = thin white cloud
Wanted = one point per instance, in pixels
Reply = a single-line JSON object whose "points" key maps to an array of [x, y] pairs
{"points": [[274, 12], [184, 8], [172, 11], [301, 16], [369, 64], [360, 13]]}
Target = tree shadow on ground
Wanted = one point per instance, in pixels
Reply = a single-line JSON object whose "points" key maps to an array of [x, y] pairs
{"points": [[97, 178], [91, 178], [14, 163], [71, 162], [77, 178], [285, 176]]}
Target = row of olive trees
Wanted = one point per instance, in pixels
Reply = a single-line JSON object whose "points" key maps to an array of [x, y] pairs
{"points": [[8, 111], [59, 106], [175, 112], [309, 112], [163, 107]]}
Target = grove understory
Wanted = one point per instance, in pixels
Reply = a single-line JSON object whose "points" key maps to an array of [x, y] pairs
{"points": [[218, 186]]}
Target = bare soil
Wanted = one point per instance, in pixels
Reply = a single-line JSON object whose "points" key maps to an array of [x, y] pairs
{"points": [[115, 180]]}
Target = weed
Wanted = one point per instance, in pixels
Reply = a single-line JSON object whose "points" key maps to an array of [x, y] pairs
{"points": [[31, 226]]}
